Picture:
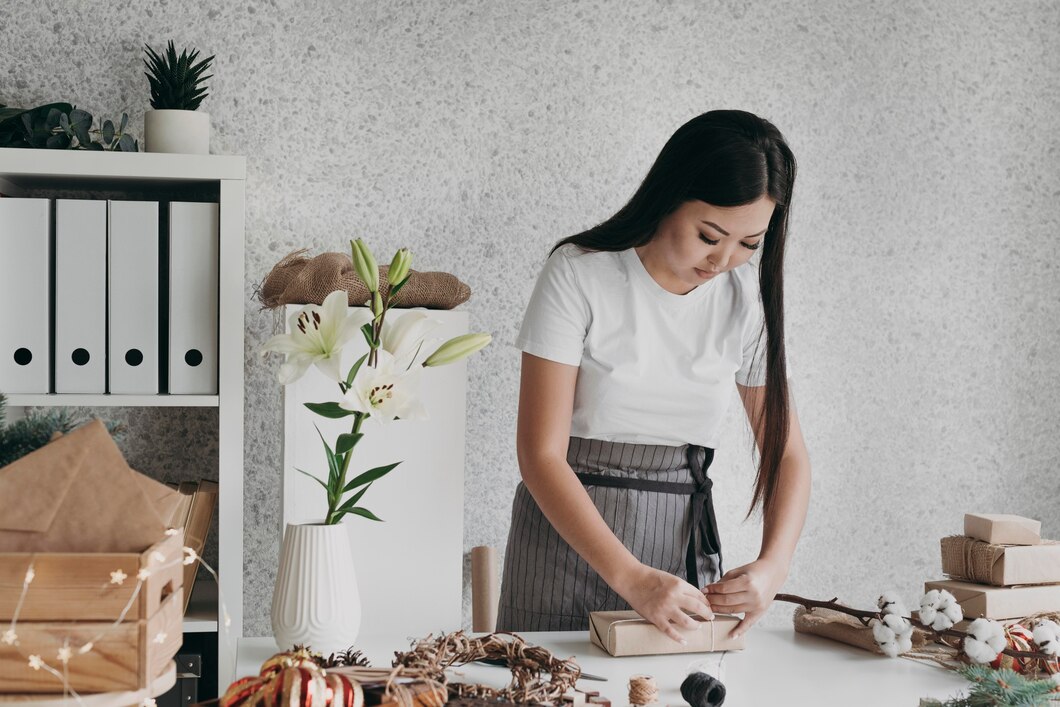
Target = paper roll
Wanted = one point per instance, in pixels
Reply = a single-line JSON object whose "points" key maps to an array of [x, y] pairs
{"points": [[485, 591]]}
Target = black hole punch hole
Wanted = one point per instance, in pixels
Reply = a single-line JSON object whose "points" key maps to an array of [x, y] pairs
{"points": [[80, 357], [23, 357], [193, 357], [134, 357]]}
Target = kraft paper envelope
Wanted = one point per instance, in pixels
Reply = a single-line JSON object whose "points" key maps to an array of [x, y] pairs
{"points": [[77, 494], [623, 633]]}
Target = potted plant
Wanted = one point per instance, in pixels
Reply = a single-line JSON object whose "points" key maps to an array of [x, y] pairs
{"points": [[175, 124], [316, 601]]}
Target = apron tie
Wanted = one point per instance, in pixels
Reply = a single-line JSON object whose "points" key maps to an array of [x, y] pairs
{"points": [[703, 536]]}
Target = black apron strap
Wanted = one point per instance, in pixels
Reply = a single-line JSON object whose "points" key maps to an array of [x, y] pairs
{"points": [[704, 531]]}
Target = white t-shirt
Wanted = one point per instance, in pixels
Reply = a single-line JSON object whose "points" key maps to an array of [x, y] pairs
{"points": [[655, 367]]}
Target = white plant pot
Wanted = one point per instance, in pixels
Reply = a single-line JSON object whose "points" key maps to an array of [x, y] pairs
{"points": [[183, 131], [316, 601]]}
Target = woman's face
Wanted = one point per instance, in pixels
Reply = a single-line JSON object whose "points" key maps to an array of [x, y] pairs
{"points": [[699, 241]]}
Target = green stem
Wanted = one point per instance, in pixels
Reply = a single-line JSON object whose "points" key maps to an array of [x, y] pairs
{"points": [[334, 501]]}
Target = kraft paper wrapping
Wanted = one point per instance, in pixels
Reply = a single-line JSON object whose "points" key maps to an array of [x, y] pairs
{"points": [[981, 600], [484, 590], [1002, 529], [1000, 565], [623, 633], [837, 626], [299, 279]]}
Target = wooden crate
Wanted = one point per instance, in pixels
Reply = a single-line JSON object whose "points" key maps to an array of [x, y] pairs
{"points": [[72, 599], [77, 586]]}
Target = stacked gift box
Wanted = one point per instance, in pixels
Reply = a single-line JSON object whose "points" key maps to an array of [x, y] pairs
{"points": [[1001, 568]]}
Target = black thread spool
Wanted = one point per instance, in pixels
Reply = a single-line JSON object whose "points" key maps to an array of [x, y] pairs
{"points": [[703, 690]]}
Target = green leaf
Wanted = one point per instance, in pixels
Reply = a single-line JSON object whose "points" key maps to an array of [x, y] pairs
{"points": [[397, 288], [333, 463], [370, 476], [108, 132], [325, 486], [124, 122], [351, 502], [365, 513], [347, 441], [353, 370], [330, 410], [366, 329]]}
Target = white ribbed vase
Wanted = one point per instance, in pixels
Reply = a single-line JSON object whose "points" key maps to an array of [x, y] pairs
{"points": [[316, 601]]}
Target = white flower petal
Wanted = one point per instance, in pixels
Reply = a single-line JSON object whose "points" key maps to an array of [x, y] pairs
{"points": [[294, 369]]}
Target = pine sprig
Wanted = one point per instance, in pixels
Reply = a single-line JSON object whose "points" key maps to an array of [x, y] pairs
{"points": [[997, 688], [36, 429]]}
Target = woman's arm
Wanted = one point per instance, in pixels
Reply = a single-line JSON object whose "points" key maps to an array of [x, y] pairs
{"points": [[750, 588], [546, 402]]}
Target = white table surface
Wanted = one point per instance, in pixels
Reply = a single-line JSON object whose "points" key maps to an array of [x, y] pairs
{"points": [[778, 667]]}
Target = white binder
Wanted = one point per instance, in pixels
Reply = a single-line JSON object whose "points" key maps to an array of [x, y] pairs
{"points": [[25, 298], [80, 295], [193, 281], [132, 297]]}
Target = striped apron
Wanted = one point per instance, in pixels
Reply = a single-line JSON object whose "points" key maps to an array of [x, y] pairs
{"points": [[657, 501]]}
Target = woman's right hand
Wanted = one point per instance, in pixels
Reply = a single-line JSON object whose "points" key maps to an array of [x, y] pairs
{"points": [[663, 598]]}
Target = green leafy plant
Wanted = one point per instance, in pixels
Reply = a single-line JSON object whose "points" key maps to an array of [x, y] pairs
{"points": [[175, 80], [992, 687], [62, 126], [36, 429]]}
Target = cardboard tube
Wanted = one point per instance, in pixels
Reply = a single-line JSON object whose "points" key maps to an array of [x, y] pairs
{"points": [[485, 591]]}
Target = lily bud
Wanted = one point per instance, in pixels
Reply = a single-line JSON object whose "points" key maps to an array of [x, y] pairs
{"points": [[457, 348], [377, 303], [399, 266], [365, 265]]}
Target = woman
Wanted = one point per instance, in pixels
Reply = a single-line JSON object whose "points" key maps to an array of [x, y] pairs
{"points": [[633, 337]]}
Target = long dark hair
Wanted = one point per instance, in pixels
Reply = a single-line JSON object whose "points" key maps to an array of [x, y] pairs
{"points": [[724, 158]]}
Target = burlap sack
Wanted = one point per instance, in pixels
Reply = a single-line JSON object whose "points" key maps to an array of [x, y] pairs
{"points": [[844, 628], [298, 279]]}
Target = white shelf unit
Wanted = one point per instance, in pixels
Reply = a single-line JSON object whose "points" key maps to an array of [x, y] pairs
{"points": [[170, 176]]}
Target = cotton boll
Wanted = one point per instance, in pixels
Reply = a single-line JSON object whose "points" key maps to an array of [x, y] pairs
{"points": [[985, 640], [899, 624], [890, 603], [928, 604], [893, 634], [1047, 636], [885, 638], [905, 642], [940, 610]]}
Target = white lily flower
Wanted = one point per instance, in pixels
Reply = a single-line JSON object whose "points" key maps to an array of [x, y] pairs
{"points": [[939, 610], [318, 334], [894, 634], [404, 338], [985, 640], [1047, 635], [890, 603], [386, 391]]}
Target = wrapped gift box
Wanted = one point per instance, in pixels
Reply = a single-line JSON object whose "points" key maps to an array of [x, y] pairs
{"points": [[1001, 529], [1001, 565], [980, 600], [72, 599], [623, 633]]}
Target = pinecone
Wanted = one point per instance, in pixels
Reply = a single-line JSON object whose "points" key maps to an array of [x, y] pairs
{"points": [[347, 657], [175, 80]]}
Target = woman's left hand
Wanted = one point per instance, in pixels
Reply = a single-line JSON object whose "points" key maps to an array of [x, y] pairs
{"points": [[748, 589]]}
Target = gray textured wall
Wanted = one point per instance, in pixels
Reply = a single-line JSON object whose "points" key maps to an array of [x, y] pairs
{"points": [[922, 298]]}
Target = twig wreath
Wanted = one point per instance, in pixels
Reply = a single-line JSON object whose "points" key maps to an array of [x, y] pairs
{"points": [[526, 662]]}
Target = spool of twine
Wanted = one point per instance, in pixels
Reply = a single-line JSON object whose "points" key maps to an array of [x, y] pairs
{"points": [[642, 690]]}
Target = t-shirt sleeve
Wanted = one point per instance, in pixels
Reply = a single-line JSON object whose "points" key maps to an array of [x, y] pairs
{"points": [[557, 316]]}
